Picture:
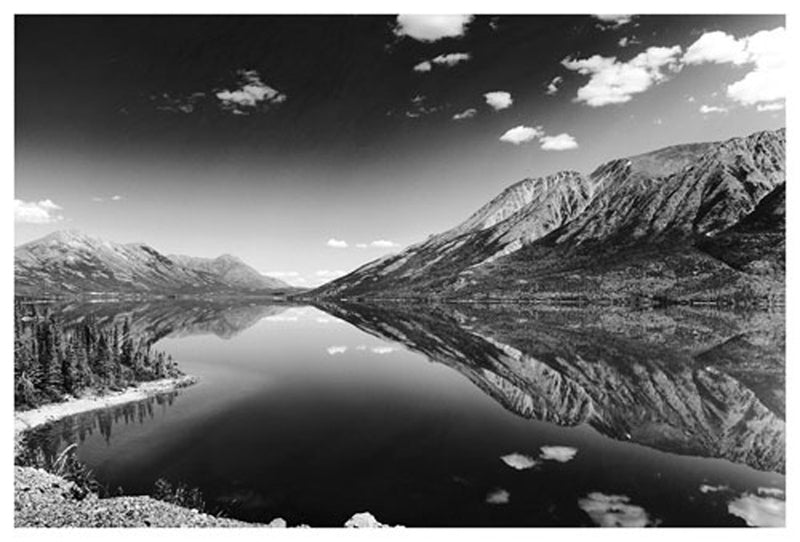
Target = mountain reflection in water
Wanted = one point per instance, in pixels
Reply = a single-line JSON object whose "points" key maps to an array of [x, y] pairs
{"points": [[527, 415]]}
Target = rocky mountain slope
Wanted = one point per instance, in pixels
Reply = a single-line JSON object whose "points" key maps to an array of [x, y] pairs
{"points": [[651, 225], [71, 263]]}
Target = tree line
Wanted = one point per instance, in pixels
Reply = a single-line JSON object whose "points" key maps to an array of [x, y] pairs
{"points": [[53, 362]]}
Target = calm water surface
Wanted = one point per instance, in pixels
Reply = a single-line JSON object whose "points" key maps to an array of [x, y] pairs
{"points": [[466, 416]]}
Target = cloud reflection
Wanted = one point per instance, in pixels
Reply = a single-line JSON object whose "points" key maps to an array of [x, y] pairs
{"points": [[614, 511], [498, 496], [759, 511], [562, 454], [519, 461]]}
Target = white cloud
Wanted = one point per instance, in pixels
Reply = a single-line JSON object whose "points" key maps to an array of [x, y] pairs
{"points": [[36, 212], [717, 47], [432, 27], [614, 511], [519, 461], [451, 59], [615, 21], [381, 350], [705, 488], [498, 496], [562, 454], [383, 243], [499, 99], [251, 95], [424, 66], [281, 274], [466, 114], [521, 134], [759, 511], [765, 51], [336, 243], [771, 491], [336, 350], [614, 82], [361, 245], [116, 197], [775, 106], [706, 109], [552, 86], [560, 142]]}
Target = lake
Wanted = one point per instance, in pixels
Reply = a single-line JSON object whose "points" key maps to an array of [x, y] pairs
{"points": [[453, 415]]}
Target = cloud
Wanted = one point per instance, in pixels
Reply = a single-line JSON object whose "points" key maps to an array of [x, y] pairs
{"points": [[614, 511], [424, 66], [281, 274], [552, 86], [614, 82], [466, 114], [499, 99], [521, 134], [383, 243], [361, 245], [116, 197], [36, 212], [519, 461], [451, 59], [614, 21], [382, 350], [562, 454], [776, 106], [177, 104], [717, 47], [336, 350], [706, 109], [282, 318], [251, 95], [560, 142], [759, 511], [418, 107], [498, 496], [764, 51], [771, 491], [705, 488], [429, 28], [336, 243]]}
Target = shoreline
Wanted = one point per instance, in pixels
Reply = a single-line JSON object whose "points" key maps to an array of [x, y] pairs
{"points": [[26, 420]]}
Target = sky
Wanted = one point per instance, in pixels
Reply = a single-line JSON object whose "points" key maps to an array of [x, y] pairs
{"points": [[310, 145]]}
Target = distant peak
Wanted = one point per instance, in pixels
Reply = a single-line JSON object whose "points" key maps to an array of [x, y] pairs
{"points": [[229, 259]]}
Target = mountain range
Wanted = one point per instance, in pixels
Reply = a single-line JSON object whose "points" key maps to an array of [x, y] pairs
{"points": [[72, 263], [703, 221]]}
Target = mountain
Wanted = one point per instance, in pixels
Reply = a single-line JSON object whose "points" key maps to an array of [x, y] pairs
{"points": [[653, 225], [231, 271], [72, 263], [687, 381]]}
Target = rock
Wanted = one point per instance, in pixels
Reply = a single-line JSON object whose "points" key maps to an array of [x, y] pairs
{"points": [[363, 520]]}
